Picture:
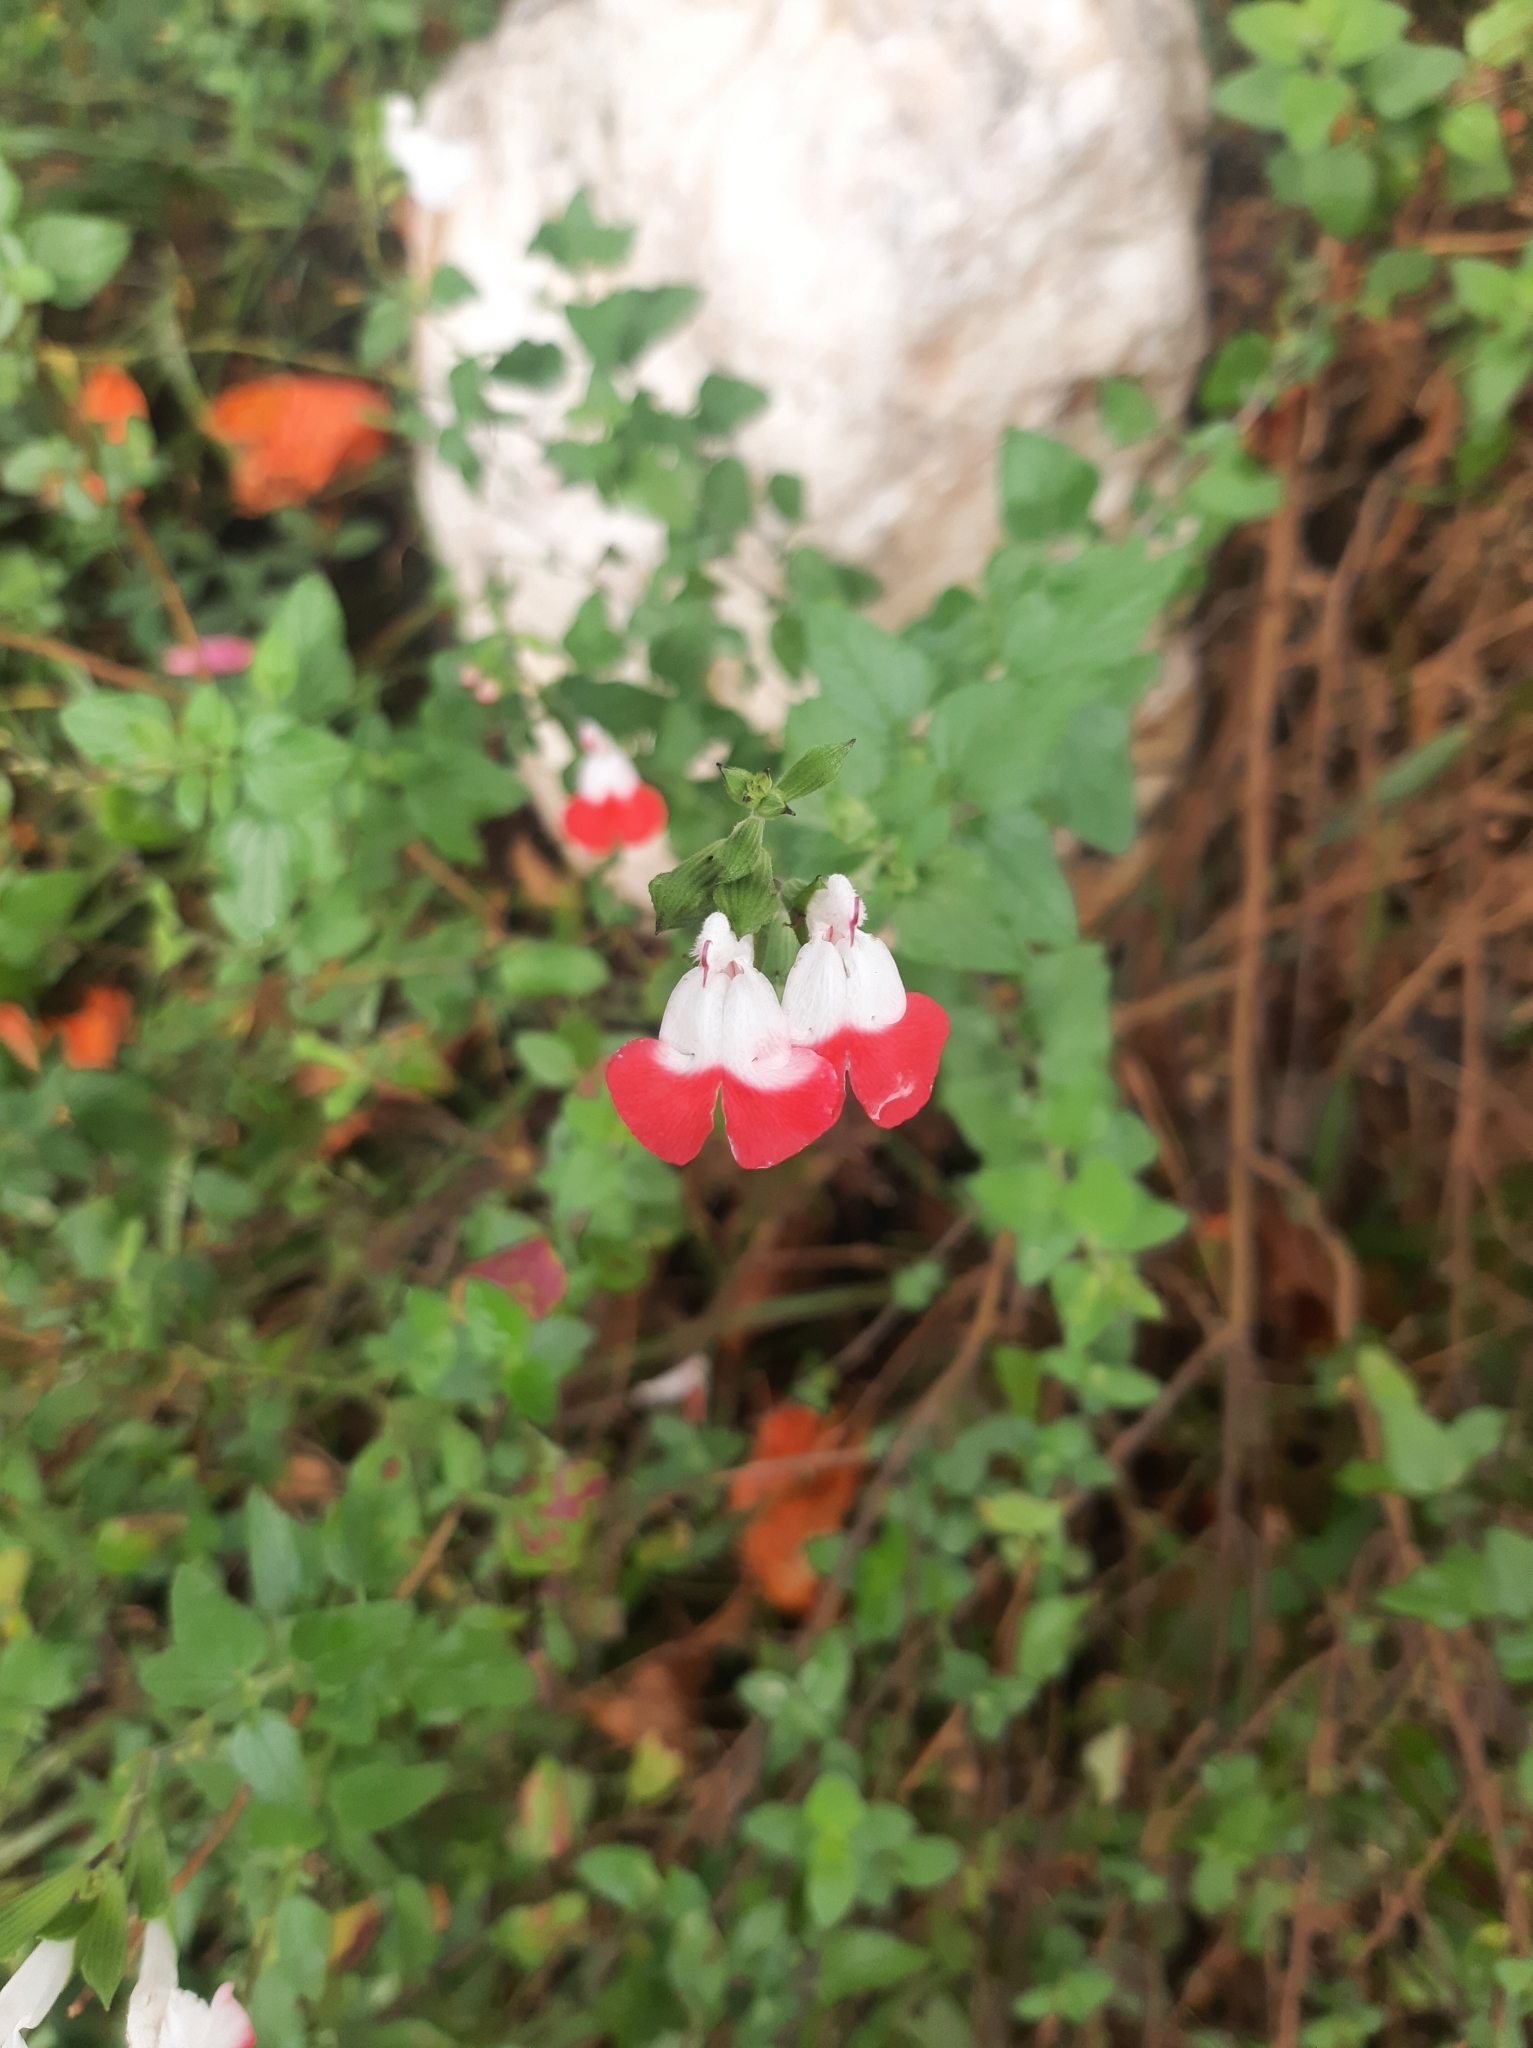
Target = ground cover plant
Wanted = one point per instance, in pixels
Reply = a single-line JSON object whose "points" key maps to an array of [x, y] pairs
{"points": [[1050, 1560]]}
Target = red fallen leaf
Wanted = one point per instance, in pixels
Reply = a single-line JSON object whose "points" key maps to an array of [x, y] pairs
{"points": [[18, 1035], [290, 435], [109, 399], [530, 1272], [92, 1034], [792, 1509], [344, 1133]]}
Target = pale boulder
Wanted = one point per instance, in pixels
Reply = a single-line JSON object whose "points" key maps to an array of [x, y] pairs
{"points": [[914, 222]]}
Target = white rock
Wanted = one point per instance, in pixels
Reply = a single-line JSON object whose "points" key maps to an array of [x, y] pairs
{"points": [[915, 223]]}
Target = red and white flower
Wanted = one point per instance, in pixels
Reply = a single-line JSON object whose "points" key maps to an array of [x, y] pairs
{"points": [[162, 2015], [30, 1995], [611, 806], [724, 1029], [844, 998]]}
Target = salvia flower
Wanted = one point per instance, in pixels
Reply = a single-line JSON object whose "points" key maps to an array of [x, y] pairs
{"points": [[291, 435], [162, 2015], [218, 654], [845, 999], [109, 399], [724, 1030], [28, 1998], [611, 806]]}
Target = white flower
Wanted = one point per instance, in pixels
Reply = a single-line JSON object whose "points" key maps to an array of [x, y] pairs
{"points": [[724, 1031], [30, 1995], [844, 997], [436, 171], [161, 2015]]}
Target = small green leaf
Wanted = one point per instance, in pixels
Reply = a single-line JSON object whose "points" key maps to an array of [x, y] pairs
{"points": [[1311, 104], [1340, 186], [1403, 79], [528, 968], [381, 1795], [101, 1951], [448, 288], [80, 251], [618, 329], [622, 1873], [725, 403], [1473, 132], [23, 1918], [1364, 28], [1276, 31], [1128, 411], [577, 242], [858, 1959], [149, 1872], [536, 364], [1046, 488]]}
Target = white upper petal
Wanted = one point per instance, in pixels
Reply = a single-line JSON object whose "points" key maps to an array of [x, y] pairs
{"points": [[191, 2022], [754, 1032], [833, 911], [814, 998], [29, 1996], [875, 994], [156, 1982], [603, 769]]}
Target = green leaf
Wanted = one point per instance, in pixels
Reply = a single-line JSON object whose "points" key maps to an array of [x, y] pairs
{"points": [[1311, 104], [528, 968], [128, 736], [149, 1872], [871, 685], [1421, 767], [1486, 291], [1073, 1997], [101, 1951], [10, 195], [1499, 34], [339, 1644], [1403, 79], [858, 1959], [725, 403], [271, 1539], [1364, 28], [622, 1873], [1048, 1637], [1128, 411], [1235, 373], [618, 329], [259, 862], [269, 1757], [381, 1795], [1422, 1456], [1472, 132], [448, 288], [35, 907], [1394, 274], [303, 651], [291, 773], [1114, 1211], [80, 251], [1252, 97], [1046, 488], [1339, 186], [1449, 1592], [214, 1641], [1276, 31], [576, 242], [536, 364], [23, 1918]]}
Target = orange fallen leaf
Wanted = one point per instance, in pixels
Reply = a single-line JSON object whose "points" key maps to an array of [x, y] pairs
{"points": [[290, 435], [18, 1034], [531, 1272], [353, 1930], [793, 1508], [93, 1033], [110, 399]]}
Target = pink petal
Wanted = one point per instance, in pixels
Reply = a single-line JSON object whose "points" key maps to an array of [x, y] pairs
{"points": [[669, 1110], [530, 1272], [229, 2024], [223, 654], [893, 1071], [766, 1125], [641, 816]]}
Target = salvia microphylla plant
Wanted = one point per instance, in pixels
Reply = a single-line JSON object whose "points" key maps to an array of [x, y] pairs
{"points": [[780, 1065]]}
